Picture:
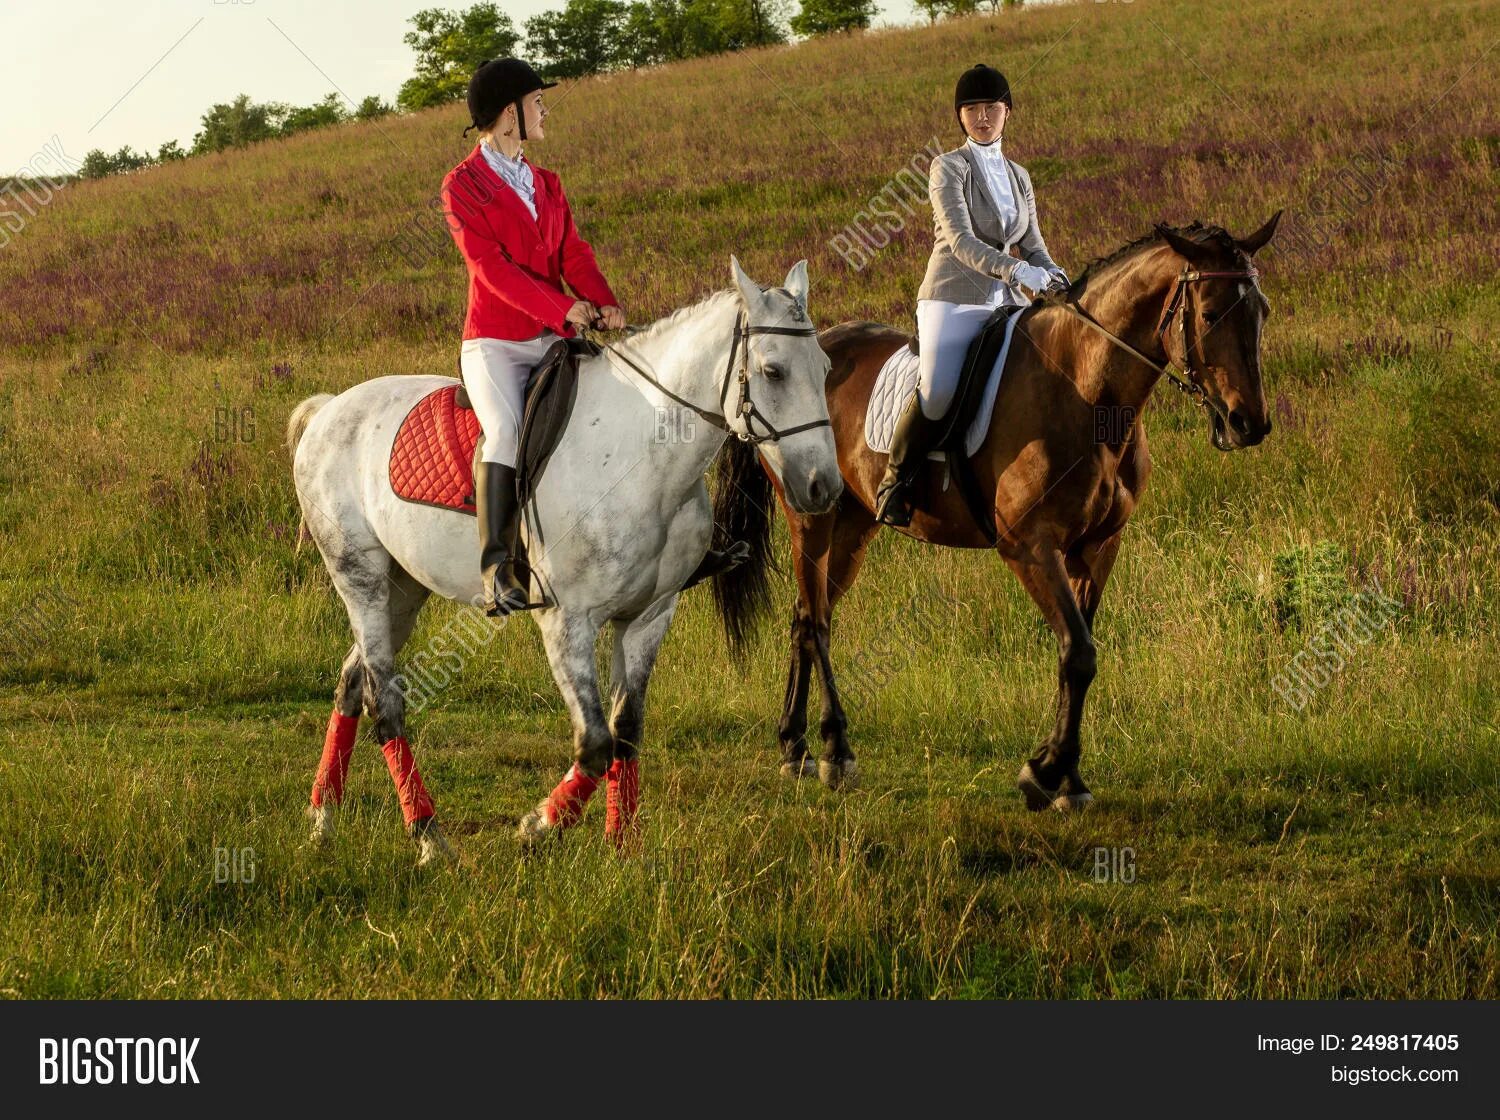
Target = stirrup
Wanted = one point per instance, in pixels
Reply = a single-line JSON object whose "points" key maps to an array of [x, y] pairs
{"points": [[502, 600], [895, 508]]}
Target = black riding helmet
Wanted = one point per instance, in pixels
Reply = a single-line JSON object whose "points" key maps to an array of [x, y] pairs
{"points": [[498, 83], [977, 84]]}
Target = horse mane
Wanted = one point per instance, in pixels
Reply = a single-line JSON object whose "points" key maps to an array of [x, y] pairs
{"points": [[1194, 230], [650, 330]]}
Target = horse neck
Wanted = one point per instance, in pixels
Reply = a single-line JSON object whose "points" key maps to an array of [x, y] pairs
{"points": [[688, 357], [1129, 303]]}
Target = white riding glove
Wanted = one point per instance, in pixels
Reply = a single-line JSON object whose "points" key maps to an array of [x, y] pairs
{"points": [[1030, 276], [1059, 280]]}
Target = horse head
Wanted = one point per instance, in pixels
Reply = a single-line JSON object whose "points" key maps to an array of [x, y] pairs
{"points": [[1212, 324], [779, 405]]}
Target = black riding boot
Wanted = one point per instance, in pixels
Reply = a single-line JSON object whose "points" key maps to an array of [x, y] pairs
{"points": [[913, 439], [715, 561], [499, 524]]}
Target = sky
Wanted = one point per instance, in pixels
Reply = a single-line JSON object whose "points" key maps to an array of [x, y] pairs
{"points": [[83, 74]]}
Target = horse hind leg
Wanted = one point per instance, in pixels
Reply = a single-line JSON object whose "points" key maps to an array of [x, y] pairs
{"points": [[852, 532], [338, 748], [569, 637], [383, 603], [791, 732]]}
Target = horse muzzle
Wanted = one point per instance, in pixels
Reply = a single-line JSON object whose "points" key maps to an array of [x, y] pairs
{"points": [[1234, 430]]}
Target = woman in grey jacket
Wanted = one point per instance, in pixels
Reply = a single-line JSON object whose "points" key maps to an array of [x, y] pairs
{"points": [[982, 207]]}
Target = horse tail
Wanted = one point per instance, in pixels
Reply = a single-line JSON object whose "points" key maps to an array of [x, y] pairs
{"points": [[743, 501], [296, 427]]}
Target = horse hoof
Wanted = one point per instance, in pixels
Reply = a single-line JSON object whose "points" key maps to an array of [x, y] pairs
{"points": [[1073, 802], [322, 818], [1039, 797], [804, 768], [838, 775], [433, 849], [534, 827]]}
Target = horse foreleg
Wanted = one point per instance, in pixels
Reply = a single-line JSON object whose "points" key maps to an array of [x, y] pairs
{"points": [[1050, 777], [636, 644], [569, 637]]}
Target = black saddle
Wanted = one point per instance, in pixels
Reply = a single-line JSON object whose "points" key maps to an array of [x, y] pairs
{"points": [[973, 378], [551, 389]]}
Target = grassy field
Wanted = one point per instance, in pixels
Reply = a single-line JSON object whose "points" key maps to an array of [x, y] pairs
{"points": [[167, 658]]}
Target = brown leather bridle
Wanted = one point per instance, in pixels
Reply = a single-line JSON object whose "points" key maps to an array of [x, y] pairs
{"points": [[1190, 381]]}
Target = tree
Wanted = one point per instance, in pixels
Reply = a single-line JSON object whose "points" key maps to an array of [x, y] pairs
{"points": [[744, 23], [170, 151], [450, 46], [328, 111], [370, 108], [240, 122], [97, 163], [819, 17], [585, 37]]}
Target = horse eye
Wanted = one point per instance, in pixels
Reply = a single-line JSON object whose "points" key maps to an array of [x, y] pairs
{"points": [[773, 373], [1212, 317]]}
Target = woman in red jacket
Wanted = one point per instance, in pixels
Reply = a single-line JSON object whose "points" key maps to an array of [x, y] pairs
{"points": [[513, 226]]}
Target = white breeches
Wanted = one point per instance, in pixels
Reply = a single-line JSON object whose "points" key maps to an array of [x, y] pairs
{"points": [[944, 331], [495, 372]]}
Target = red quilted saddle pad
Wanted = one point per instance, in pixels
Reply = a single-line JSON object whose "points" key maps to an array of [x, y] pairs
{"points": [[432, 460]]}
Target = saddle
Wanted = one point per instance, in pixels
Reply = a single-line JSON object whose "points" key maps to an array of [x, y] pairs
{"points": [[973, 379], [439, 442]]}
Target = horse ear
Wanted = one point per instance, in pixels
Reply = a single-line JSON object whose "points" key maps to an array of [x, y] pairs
{"points": [[1186, 247], [1257, 240], [796, 281], [749, 289]]}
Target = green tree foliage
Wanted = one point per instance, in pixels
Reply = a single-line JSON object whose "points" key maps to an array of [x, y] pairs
{"points": [[236, 124], [585, 37], [450, 46], [98, 163], [819, 17], [372, 107], [299, 119]]}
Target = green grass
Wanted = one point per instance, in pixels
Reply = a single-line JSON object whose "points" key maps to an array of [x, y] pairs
{"points": [[167, 657]]}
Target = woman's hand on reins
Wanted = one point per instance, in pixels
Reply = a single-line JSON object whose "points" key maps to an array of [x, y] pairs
{"points": [[612, 318], [582, 314]]}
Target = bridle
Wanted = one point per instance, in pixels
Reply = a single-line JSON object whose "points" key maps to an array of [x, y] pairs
{"points": [[1189, 381], [743, 330]]}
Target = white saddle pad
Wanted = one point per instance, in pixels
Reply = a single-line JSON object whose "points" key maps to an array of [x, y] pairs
{"points": [[897, 381]]}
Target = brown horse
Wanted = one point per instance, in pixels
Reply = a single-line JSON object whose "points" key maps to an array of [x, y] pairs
{"points": [[1065, 460]]}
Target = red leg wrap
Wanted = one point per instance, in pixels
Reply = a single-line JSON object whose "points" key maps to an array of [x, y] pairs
{"points": [[623, 798], [565, 804], [416, 805], [338, 745]]}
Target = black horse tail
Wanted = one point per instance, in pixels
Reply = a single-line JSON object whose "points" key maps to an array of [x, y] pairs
{"points": [[743, 511]]}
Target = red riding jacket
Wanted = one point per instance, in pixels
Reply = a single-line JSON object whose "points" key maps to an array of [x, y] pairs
{"points": [[517, 264]]}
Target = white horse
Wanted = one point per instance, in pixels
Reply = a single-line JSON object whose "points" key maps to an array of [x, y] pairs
{"points": [[624, 518]]}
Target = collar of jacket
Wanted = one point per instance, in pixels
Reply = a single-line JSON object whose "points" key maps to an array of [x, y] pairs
{"points": [[1013, 231], [478, 165]]}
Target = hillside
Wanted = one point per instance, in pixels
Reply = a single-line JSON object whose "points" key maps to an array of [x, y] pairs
{"points": [[158, 327]]}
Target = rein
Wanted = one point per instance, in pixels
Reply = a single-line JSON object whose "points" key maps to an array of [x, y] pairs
{"points": [[1176, 309], [742, 330]]}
